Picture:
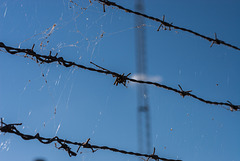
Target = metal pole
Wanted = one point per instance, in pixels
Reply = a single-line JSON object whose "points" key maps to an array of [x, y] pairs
{"points": [[143, 114]]}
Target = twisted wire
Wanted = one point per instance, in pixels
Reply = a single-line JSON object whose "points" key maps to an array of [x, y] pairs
{"points": [[168, 25], [120, 78], [64, 144]]}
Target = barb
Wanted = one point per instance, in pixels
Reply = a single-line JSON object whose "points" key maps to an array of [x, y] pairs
{"points": [[184, 93], [169, 25], [104, 6], [65, 144], [120, 78]]}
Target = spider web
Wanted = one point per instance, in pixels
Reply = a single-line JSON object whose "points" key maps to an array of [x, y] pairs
{"points": [[44, 99], [75, 104]]}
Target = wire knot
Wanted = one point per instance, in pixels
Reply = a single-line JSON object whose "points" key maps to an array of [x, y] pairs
{"points": [[164, 25], [8, 127], [86, 145], [2, 44], [153, 156], [67, 148], [233, 107], [215, 41], [121, 79], [184, 93]]}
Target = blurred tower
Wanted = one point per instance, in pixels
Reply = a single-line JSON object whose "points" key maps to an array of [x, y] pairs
{"points": [[143, 114]]}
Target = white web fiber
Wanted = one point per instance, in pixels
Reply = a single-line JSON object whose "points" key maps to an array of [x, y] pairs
{"points": [[77, 104]]}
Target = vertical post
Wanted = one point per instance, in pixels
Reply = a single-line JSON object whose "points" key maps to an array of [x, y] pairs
{"points": [[143, 113]]}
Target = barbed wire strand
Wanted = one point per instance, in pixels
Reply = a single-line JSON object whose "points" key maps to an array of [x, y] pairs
{"points": [[168, 25], [120, 78], [64, 144]]}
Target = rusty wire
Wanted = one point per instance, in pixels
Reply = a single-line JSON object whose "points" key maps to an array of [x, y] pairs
{"points": [[120, 78], [167, 26], [64, 144]]}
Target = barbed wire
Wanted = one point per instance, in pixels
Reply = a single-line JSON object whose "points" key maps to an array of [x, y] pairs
{"points": [[120, 78], [64, 144], [167, 26]]}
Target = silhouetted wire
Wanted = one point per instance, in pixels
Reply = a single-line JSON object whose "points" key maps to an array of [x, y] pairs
{"points": [[120, 78], [64, 144], [166, 25]]}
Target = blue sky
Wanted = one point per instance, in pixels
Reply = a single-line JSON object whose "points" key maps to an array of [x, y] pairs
{"points": [[88, 105]]}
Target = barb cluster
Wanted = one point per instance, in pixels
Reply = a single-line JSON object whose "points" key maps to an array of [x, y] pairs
{"points": [[30, 53], [166, 25], [120, 78], [65, 144]]}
